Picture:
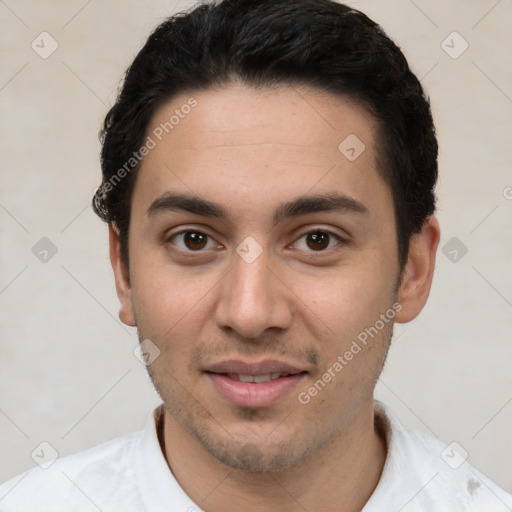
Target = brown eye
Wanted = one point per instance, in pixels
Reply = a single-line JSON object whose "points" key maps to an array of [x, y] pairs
{"points": [[317, 240], [192, 241]]}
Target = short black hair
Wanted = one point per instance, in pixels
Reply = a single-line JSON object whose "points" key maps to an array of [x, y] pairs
{"points": [[319, 43]]}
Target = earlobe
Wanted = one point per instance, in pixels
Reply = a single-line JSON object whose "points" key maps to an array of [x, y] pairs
{"points": [[419, 271], [122, 278]]}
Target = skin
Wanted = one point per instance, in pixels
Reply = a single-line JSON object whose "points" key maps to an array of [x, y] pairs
{"points": [[249, 151]]}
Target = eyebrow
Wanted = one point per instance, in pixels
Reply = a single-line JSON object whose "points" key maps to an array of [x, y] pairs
{"points": [[333, 202]]}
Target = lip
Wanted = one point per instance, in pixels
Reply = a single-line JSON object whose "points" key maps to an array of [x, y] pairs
{"points": [[252, 394], [261, 368]]}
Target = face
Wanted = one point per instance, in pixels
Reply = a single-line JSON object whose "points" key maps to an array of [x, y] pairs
{"points": [[260, 251]]}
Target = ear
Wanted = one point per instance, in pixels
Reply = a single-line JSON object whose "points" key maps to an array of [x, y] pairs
{"points": [[419, 271], [122, 277]]}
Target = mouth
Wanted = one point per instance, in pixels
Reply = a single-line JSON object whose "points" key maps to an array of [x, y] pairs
{"points": [[254, 384], [258, 379]]}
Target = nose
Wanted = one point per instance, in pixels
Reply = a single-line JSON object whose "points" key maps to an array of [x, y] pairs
{"points": [[253, 298]]}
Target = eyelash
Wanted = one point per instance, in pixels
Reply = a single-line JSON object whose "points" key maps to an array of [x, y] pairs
{"points": [[339, 239]]}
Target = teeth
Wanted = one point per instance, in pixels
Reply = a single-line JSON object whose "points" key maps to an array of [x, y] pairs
{"points": [[255, 378], [262, 378]]}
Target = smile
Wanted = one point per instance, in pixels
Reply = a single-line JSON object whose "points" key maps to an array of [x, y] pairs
{"points": [[255, 378], [260, 384]]}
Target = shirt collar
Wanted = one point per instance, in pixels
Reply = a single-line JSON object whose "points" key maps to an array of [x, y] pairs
{"points": [[160, 491]]}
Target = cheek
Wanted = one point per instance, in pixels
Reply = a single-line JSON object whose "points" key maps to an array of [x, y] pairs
{"points": [[169, 301], [168, 312], [348, 299]]}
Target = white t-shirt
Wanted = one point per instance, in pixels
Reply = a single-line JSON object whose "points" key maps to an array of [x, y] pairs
{"points": [[130, 474]]}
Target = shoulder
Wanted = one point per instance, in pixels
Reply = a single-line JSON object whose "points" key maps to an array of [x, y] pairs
{"points": [[422, 473], [82, 481], [449, 479]]}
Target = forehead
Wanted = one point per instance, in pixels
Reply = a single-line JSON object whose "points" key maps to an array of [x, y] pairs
{"points": [[260, 145], [235, 114]]}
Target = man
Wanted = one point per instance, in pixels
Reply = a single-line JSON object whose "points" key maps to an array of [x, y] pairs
{"points": [[268, 180]]}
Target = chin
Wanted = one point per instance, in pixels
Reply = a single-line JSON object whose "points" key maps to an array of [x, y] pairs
{"points": [[255, 457]]}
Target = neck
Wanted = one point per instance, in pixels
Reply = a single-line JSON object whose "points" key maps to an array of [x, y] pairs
{"points": [[341, 476]]}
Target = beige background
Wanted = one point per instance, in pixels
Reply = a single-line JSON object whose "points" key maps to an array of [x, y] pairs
{"points": [[67, 372]]}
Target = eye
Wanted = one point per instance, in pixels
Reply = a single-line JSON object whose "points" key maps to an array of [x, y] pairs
{"points": [[317, 241], [193, 241]]}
